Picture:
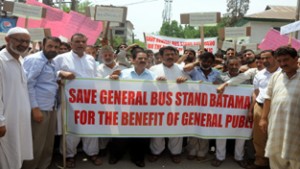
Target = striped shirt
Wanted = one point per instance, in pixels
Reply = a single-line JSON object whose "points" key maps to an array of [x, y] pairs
{"points": [[284, 116]]}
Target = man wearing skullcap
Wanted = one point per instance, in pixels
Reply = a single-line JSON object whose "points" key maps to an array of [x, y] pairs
{"points": [[15, 116]]}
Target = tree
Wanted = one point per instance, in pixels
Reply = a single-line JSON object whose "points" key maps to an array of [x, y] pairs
{"points": [[172, 29], [237, 10]]}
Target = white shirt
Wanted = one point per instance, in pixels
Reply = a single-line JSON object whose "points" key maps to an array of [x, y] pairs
{"points": [[84, 66], [15, 113], [171, 73], [248, 75], [260, 82], [103, 70]]}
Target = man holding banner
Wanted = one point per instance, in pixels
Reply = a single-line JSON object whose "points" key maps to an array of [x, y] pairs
{"points": [[171, 71], [78, 64], [137, 146]]}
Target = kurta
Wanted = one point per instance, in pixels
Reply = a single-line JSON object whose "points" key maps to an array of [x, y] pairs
{"points": [[16, 145]]}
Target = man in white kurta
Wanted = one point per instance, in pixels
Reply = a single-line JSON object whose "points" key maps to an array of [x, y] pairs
{"points": [[171, 71], [78, 64], [281, 115], [15, 115]]}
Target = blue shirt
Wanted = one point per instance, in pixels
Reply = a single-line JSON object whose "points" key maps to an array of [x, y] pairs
{"points": [[197, 74], [131, 74], [42, 85]]}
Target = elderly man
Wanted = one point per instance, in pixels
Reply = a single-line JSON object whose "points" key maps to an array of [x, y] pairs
{"points": [[42, 87], [77, 63], [15, 117], [281, 117]]}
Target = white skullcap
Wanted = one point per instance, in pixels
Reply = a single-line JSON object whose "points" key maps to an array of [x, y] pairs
{"points": [[17, 30]]}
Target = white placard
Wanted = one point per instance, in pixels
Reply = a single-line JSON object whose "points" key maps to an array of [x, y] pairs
{"points": [[252, 46], [227, 44], [234, 32], [293, 27], [113, 14], [63, 39], [25, 10], [37, 34], [200, 19]]}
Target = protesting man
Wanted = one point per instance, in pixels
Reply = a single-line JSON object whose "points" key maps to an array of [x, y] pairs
{"points": [[78, 64], [42, 87], [170, 71], [281, 117], [15, 117], [137, 146]]}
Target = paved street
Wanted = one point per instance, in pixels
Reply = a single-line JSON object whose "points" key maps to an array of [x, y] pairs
{"points": [[163, 163]]}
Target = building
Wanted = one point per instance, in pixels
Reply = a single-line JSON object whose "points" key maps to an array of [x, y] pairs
{"points": [[272, 17], [124, 30]]}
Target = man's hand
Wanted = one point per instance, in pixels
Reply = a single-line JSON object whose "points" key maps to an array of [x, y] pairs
{"points": [[263, 124], [250, 116], [161, 78], [221, 88], [37, 115], [2, 131], [189, 67], [116, 72], [181, 79], [114, 77], [67, 75]]}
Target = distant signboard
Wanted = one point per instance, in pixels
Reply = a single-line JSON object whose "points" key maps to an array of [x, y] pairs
{"points": [[24, 10], [200, 19], [235, 32], [38, 34], [110, 13]]}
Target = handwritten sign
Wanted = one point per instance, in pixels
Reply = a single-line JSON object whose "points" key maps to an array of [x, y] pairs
{"points": [[24, 10], [234, 32], [38, 34], [289, 28], [110, 13], [200, 19]]}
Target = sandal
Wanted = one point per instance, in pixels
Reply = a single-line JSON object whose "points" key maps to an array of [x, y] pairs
{"points": [[96, 160], [176, 159], [216, 162], [70, 162], [153, 158]]}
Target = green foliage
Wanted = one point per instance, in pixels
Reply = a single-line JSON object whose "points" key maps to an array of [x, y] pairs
{"points": [[66, 8], [173, 29], [237, 10], [140, 43], [83, 5]]}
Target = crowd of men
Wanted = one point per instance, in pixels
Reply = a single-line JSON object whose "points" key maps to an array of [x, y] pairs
{"points": [[29, 104]]}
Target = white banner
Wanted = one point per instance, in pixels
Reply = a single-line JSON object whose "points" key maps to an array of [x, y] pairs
{"points": [[289, 28], [155, 42], [105, 108]]}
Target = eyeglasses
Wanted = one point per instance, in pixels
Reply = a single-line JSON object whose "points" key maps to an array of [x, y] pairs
{"points": [[21, 41]]}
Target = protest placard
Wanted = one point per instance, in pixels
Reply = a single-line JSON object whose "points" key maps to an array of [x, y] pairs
{"points": [[110, 13], [200, 19], [24, 10], [38, 34]]}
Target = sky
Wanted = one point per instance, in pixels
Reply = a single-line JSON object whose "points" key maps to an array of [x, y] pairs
{"points": [[146, 15]]}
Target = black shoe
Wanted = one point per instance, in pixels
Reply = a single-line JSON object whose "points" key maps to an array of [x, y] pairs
{"points": [[103, 152], [113, 160], [139, 163]]}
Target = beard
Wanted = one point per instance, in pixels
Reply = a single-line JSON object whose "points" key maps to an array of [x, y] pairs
{"points": [[15, 50], [250, 60], [50, 55], [204, 68]]}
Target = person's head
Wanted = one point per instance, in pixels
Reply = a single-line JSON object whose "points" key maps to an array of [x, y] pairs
{"points": [[287, 58], [230, 52], [64, 48], [191, 55], [259, 62], [207, 60], [78, 43], [140, 59], [18, 40], [150, 55], [136, 49], [168, 55], [249, 56], [91, 50], [267, 58], [123, 46], [107, 55], [51, 47], [233, 65], [157, 58]]}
